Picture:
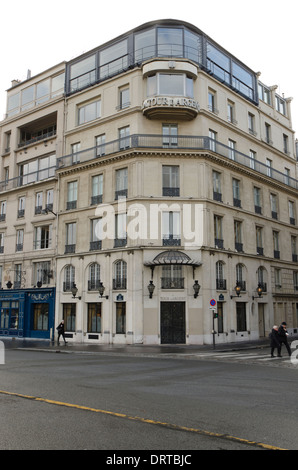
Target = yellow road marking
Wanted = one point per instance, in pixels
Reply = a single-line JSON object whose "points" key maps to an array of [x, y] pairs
{"points": [[146, 420]]}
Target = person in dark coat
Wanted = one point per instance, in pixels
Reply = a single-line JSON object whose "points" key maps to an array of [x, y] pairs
{"points": [[274, 341], [60, 329], [283, 337]]}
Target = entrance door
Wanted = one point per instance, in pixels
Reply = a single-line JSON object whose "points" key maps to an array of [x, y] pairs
{"points": [[261, 320], [172, 322]]}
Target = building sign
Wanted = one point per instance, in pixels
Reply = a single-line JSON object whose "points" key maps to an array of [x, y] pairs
{"points": [[171, 102]]}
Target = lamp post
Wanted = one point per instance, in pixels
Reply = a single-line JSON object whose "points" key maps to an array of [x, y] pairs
{"points": [[101, 290], [196, 288], [74, 291], [151, 288], [259, 292], [237, 290]]}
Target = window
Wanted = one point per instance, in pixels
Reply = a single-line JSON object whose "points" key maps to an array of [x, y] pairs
{"points": [[89, 112], [169, 42], [121, 183], [212, 101], [221, 283], [42, 272], [38, 203], [97, 189], [49, 199], [96, 234], [238, 235], [120, 275], [1, 242], [294, 248], [124, 138], [20, 240], [276, 252], [218, 232], [217, 196], [114, 59], [287, 176], [100, 143], [269, 167], [261, 278], [82, 73], [9, 315], [295, 280], [251, 124], [94, 317], [41, 317], [17, 276], [257, 200], [37, 170], [264, 93], [2, 211], [75, 152], [163, 84], [259, 240], [72, 195], [171, 228], [172, 277], [69, 278], [94, 276], [232, 147], [252, 156], [43, 237], [231, 112], [236, 192], [124, 98], [70, 245], [21, 206], [145, 45], [170, 180], [292, 213], [170, 135], [273, 204], [240, 276], [69, 316], [120, 230], [212, 140], [268, 134], [285, 139], [280, 105], [277, 278]]}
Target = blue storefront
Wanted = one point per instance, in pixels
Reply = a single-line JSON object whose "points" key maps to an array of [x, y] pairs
{"points": [[27, 313]]}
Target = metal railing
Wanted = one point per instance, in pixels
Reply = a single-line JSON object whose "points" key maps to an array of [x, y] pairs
{"points": [[191, 143]]}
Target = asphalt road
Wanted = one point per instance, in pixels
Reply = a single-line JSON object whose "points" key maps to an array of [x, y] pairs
{"points": [[107, 402]]}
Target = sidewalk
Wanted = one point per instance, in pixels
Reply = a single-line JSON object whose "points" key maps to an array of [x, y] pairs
{"points": [[135, 349]]}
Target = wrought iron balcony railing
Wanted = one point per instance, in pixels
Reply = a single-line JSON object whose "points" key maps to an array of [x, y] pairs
{"points": [[145, 141]]}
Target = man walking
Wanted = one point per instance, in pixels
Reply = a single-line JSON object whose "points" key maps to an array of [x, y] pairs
{"points": [[283, 334], [60, 329]]}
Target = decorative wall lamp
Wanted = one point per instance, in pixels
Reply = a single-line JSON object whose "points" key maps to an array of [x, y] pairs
{"points": [[237, 290], [101, 290], [259, 292], [151, 288], [196, 288], [74, 291], [9, 285]]}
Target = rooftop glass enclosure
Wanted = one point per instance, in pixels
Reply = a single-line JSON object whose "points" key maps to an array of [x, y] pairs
{"points": [[167, 38]]}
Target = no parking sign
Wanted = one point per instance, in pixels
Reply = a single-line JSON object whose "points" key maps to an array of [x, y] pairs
{"points": [[213, 303]]}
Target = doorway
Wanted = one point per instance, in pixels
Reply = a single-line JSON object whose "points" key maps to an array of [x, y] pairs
{"points": [[261, 320], [172, 323]]}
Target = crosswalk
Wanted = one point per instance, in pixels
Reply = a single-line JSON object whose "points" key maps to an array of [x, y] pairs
{"points": [[262, 358]]}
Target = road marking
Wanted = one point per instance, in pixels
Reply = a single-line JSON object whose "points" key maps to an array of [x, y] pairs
{"points": [[146, 420]]}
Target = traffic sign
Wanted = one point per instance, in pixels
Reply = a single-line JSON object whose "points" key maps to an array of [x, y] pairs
{"points": [[212, 302]]}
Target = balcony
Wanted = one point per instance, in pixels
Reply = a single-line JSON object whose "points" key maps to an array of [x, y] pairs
{"points": [[187, 143]]}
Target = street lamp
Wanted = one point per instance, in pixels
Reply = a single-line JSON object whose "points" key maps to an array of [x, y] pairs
{"points": [[196, 288], [237, 290], [74, 291], [151, 288], [259, 292], [101, 290]]}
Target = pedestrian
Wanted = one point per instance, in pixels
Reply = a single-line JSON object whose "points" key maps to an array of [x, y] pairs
{"points": [[60, 329], [283, 338], [274, 340]]}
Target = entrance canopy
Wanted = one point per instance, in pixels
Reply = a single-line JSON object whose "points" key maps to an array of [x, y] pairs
{"points": [[173, 257]]}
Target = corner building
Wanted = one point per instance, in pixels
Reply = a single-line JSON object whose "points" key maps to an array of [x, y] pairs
{"points": [[175, 184]]}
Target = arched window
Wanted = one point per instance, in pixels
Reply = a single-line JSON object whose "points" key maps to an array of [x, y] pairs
{"points": [[261, 278], [94, 276], [240, 276], [69, 278], [120, 275], [221, 283]]}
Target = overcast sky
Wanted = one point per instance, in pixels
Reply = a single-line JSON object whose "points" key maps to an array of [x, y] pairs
{"points": [[261, 33]]}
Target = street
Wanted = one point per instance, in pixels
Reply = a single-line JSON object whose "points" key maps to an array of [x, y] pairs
{"points": [[61, 399]]}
